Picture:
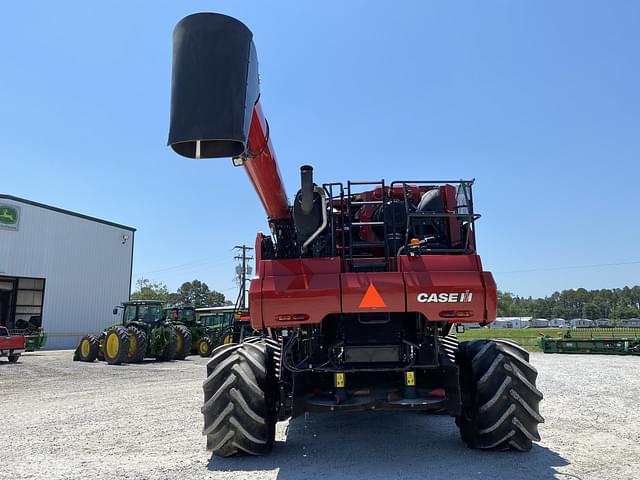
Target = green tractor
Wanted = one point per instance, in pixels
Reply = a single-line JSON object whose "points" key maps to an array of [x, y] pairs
{"points": [[221, 325], [144, 332], [184, 319]]}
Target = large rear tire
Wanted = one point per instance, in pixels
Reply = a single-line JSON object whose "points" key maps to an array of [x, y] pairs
{"points": [[137, 345], [169, 352], [116, 346], [500, 401], [88, 349], [240, 400], [183, 342]]}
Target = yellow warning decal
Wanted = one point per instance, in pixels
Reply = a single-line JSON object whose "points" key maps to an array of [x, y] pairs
{"points": [[339, 380], [410, 379]]}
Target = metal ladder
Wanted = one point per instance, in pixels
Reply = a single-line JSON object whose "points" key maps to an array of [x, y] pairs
{"points": [[354, 260]]}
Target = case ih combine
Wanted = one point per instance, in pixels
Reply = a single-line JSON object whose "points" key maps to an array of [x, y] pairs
{"points": [[357, 287]]}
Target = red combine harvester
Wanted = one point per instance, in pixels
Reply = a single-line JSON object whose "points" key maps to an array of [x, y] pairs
{"points": [[358, 287]]}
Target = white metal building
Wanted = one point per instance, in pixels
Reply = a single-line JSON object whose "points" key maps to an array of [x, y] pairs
{"points": [[557, 322], [62, 268], [581, 322], [511, 322]]}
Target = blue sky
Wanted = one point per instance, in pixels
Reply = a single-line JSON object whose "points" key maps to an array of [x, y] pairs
{"points": [[539, 101]]}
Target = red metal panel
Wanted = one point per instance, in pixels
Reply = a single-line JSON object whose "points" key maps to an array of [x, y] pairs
{"points": [[491, 296], [255, 303], [446, 296], [300, 287], [439, 263], [388, 285], [301, 266]]}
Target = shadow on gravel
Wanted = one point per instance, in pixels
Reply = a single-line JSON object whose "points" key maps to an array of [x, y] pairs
{"points": [[387, 445]]}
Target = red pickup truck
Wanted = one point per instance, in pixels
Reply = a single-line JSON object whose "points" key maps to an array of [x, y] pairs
{"points": [[11, 345]]}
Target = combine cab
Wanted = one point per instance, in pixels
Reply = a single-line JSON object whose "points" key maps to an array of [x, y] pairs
{"points": [[358, 287], [144, 332]]}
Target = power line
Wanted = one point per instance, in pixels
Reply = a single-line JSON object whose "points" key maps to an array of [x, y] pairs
{"points": [[195, 263], [571, 267]]}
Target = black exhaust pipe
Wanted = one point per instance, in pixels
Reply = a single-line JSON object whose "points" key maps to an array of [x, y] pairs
{"points": [[214, 86], [306, 189]]}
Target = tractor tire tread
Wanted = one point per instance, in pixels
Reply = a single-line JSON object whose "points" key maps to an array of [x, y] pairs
{"points": [[186, 342], [141, 345], [500, 408], [240, 400], [121, 355]]}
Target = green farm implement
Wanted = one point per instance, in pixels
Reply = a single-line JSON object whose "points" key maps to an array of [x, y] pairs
{"points": [[34, 334], [610, 341]]}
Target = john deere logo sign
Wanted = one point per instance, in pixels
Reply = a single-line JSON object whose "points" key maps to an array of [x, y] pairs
{"points": [[9, 217]]}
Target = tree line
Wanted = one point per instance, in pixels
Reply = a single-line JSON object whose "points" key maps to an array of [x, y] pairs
{"points": [[194, 293], [617, 303]]}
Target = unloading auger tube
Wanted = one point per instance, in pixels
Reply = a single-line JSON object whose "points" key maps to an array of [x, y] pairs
{"points": [[356, 290]]}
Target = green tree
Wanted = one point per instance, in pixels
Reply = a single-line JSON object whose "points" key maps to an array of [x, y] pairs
{"points": [[197, 293], [614, 303], [149, 290]]}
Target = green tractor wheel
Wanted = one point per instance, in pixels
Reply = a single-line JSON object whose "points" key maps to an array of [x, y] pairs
{"points": [[87, 350], [169, 352], [205, 346], [137, 345], [116, 346], [183, 342]]}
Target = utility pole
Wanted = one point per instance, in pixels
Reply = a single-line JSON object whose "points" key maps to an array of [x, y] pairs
{"points": [[242, 274]]}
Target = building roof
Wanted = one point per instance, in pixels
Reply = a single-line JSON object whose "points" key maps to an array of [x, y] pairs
{"points": [[65, 212]]}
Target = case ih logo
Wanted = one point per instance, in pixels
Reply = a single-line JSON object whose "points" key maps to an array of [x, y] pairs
{"points": [[465, 297]]}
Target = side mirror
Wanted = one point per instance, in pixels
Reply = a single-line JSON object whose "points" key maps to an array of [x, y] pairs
{"points": [[115, 311]]}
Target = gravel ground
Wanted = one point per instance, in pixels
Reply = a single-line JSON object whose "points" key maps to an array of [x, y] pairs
{"points": [[64, 419]]}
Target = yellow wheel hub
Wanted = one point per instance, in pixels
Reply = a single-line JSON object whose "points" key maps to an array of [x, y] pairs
{"points": [[113, 345], [204, 348], [228, 339], [85, 348], [179, 343]]}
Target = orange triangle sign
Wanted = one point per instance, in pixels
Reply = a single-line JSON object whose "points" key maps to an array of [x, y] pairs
{"points": [[372, 298]]}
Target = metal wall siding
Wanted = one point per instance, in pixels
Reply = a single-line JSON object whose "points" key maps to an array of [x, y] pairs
{"points": [[85, 263]]}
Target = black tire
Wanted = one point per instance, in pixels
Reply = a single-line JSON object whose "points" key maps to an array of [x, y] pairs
{"points": [[88, 349], [500, 402], [183, 342], [240, 400], [116, 345], [205, 347], [14, 358], [169, 352], [137, 345], [101, 338]]}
